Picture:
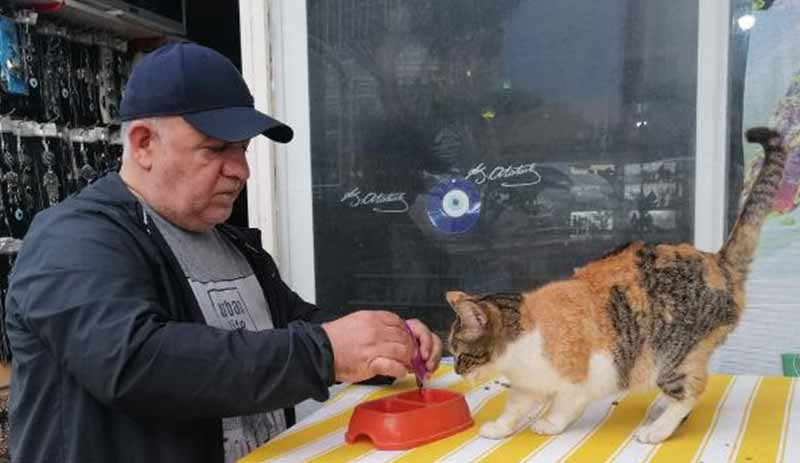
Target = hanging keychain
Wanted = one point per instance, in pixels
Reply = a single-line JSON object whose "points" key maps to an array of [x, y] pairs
{"points": [[64, 72], [105, 82], [4, 213], [32, 105], [11, 178], [3, 210], [104, 160], [70, 162], [26, 177], [82, 76], [91, 82], [88, 173], [30, 56], [51, 84], [50, 179]]}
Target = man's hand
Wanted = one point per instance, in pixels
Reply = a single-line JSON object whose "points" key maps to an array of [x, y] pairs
{"points": [[370, 343], [430, 345]]}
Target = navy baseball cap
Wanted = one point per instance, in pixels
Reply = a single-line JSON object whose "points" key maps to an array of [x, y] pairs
{"points": [[202, 86]]}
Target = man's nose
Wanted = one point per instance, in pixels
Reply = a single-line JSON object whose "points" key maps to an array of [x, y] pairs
{"points": [[236, 166]]}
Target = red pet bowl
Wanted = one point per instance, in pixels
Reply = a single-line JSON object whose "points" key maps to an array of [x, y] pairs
{"points": [[409, 419]]}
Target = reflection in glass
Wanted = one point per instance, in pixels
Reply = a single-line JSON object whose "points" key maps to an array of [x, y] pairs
{"points": [[573, 120]]}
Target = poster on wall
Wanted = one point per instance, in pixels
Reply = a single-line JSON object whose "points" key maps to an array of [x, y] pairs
{"points": [[766, 341]]}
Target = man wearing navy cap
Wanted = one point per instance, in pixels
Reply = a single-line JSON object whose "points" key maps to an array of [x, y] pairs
{"points": [[143, 328]]}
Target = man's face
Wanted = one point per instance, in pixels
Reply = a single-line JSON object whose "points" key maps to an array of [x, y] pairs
{"points": [[194, 179]]}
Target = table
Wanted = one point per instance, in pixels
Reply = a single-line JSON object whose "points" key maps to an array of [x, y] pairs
{"points": [[748, 419]]}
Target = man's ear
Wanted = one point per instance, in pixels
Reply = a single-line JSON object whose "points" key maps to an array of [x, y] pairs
{"points": [[142, 137]]}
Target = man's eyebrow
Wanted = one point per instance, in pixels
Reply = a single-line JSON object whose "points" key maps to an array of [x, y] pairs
{"points": [[208, 141]]}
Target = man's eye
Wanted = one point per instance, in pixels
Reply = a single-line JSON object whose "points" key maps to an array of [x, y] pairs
{"points": [[217, 149]]}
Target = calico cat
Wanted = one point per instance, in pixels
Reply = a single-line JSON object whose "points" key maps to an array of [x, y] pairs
{"points": [[644, 316]]}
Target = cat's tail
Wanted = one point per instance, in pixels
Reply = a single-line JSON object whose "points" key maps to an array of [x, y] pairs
{"points": [[738, 251]]}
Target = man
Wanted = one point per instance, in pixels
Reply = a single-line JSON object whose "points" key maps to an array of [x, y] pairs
{"points": [[143, 329]]}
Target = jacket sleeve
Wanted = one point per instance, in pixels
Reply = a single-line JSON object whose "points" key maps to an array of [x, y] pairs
{"points": [[86, 290]]}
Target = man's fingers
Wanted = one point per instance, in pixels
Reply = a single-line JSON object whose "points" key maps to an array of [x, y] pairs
{"points": [[433, 361], [387, 367], [424, 335]]}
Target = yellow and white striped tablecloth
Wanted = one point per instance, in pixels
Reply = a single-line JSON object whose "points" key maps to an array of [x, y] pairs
{"points": [[747, 419]]}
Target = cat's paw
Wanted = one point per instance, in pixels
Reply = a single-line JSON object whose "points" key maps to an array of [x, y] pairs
{"points": [[653, 433], [495, 430], [547, 427]]}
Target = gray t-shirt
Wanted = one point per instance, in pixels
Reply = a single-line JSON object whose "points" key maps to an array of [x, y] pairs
{"points": [[230, 298]]}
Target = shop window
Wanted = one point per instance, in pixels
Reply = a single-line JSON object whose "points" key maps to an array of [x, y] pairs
{"points": [[493, 146]]}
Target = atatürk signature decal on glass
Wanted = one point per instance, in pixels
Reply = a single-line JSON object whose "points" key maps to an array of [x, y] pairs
{"points": [[384, 203], [522, 174]]}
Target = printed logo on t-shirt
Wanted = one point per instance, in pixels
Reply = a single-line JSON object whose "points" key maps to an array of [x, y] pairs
{"points": [[230, 308], [236, 304]]}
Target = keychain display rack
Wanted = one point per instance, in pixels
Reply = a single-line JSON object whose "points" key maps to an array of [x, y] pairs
{"points": [[60, 89]]}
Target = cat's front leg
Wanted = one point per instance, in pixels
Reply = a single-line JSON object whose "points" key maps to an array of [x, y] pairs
{"points": [[665, 425], [564, 409], [518, 404]]}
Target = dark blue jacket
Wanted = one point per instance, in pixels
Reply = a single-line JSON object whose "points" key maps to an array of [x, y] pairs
{"points": [[112, 360]]}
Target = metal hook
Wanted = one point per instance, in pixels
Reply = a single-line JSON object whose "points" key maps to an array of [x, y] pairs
{"points": [[6, 116]]}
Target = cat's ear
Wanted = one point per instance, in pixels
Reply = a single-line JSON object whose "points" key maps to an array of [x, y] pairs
{"points": [[473, 320], [454, 297]]}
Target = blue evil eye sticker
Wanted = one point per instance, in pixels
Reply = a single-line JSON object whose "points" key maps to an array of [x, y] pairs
{"points": [[454, 206]]}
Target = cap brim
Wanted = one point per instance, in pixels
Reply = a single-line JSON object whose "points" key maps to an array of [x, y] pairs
{"points": [[239, 123]]}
